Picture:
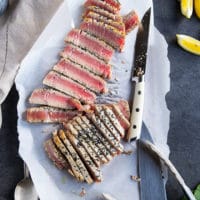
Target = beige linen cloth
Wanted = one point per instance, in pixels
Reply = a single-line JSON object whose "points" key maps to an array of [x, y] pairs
{"points": [[20, 26]]}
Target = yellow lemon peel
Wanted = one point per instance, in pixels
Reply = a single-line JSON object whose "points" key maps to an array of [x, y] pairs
{"points": [[187, 8], [197, 7], [189, 44]]}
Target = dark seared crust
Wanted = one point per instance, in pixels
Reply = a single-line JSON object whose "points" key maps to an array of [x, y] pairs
{"points": [[55, 155], [68, 156], [106, 133], [114, 120], [103, 155], [75, 157], [75, 129], [99, 18], [94, 171], [103, 12], [92, 149], [101, 4], [108, 146], [107, 122]]}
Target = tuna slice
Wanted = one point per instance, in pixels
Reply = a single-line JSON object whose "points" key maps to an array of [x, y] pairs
{"points": [[131, 20], [95, 172], [105, 32], [75, 157], [124, 108], [55, 155], [114, 3], [99, 18], [68, 156], [86, 41], [121, 118], [102, 12], [49, 115], [75, 72], [68, 86], [87, 60], [54, 98], [102, 4]]}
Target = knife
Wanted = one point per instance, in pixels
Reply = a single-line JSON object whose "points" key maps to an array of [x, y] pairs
{"points": [[149, 169], [141, 47]]}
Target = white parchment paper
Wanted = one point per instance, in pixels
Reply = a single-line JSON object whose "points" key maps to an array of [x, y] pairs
{"points": [[52, 184]]}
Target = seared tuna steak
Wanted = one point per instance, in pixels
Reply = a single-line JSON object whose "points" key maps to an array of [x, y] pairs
{"points": [[68, 156], [98, 123], [79, 74], [102, 12], [99, 18], [68, 86], [55, 155], [102, 4], [49, 115], [54, 98], [87, 60], [75, 157], [105, 32], [131, 20], [95, 172], [86, 41]]}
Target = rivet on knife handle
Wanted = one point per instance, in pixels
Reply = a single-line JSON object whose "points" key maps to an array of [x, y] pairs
{"points": [[137, 111]]}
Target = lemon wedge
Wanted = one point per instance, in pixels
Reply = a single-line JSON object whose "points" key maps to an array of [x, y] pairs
{"points": [[188, 43], [197, 7], [187, 8]]}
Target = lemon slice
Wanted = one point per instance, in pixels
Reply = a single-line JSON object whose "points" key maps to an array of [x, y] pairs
{"points": [[197, 7], [188, 43], [187, 8]]}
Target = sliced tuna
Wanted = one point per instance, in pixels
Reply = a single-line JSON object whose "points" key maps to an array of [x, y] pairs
{"points": [[108, 146], [114, 120], [83, 135], [124, 108], [103, 129], [86, 41], [95, 172], [68, 156], [76, 131], [75, 157], [99, 18], [54, 98], [131, 20], [68, 86], [49, 115], [55, 155], [121, 118], [107, 122], [103, 12], [114, 3], [79, 74], [87, 60], [105, 32], [101, 4], [103, 154]]}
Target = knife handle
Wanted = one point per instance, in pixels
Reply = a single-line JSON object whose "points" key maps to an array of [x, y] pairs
{"points": [[137, 112]]}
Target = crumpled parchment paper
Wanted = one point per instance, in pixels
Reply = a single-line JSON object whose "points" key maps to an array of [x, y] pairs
{"points": [[53, 184]]}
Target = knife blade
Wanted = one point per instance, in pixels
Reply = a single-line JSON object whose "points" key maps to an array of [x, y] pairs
{"points": [[141, 47], [149, 169]]}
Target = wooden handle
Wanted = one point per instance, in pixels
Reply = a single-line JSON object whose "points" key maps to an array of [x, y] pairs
{"points": [[137, 112]]}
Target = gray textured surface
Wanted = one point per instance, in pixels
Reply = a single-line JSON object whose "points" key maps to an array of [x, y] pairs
{"points": [[183, 101]]}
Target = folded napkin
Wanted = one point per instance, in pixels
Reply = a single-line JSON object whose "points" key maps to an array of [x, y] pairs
{"points": [[20, 26]]}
